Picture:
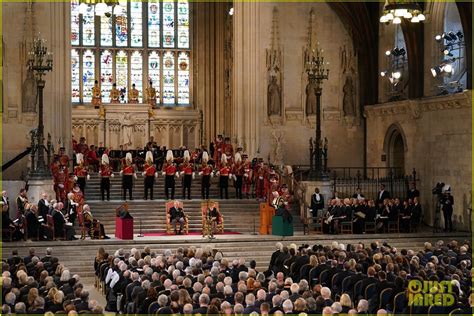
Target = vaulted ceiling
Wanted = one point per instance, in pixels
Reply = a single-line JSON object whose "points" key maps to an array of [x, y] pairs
{"points": [[362, 21]]}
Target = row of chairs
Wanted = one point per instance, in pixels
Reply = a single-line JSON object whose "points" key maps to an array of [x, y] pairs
{"points": [[347, 227]]}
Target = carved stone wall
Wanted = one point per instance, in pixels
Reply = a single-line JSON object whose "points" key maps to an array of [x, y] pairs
{"points": [[251, 124], [169, 128], [438, 136]]}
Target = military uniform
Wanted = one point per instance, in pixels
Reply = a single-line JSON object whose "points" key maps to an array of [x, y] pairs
{"points": [[149, 173], [81, 173], [127, 181], [105, 173], [114, 96], [187, 169], [169, 171]]}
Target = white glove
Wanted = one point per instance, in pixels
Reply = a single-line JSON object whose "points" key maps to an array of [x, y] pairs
{"points": [[121, 172], [311, 210], [112, 175], [246, 175], [156, 174], [88, 177], [212, 174], [61, 186], [143, 173], [218, 173], [100, 172], [181, 173], [177, 174], [231, 176], [135, 175], [75, 178], [200, 173], [194, 175], [235, 177], [163, 173]]}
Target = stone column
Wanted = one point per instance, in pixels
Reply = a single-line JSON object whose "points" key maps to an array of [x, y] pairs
{"points": [[247, 89]]}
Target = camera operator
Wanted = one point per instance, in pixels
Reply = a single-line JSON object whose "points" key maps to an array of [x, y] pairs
{"points": [[447, 202]]}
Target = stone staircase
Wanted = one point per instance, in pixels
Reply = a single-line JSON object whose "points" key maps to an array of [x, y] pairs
{"points": [[240, 216]]}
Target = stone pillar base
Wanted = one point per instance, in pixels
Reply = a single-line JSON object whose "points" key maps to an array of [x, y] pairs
{"points": [[37, 187]]}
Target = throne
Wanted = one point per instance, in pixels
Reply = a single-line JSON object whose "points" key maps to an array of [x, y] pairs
{"points": [[206, 226], [169, 226]]}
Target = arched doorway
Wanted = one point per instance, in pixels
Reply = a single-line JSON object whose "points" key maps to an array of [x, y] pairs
{"points": [[395, 147]]}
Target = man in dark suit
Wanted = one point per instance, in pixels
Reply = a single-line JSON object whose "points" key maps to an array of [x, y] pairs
{"points": [[369, 280], [177, 216], [43, 206], [14, 259], [203, 304], [299, 263], [383, 194], [447, 202], [33, 225], [339, 277], [379, 287], [353, 279], [358, 194], [416, 212], [6, 201], [412, 192], [61, 224], [28, 258], [317, 202]]}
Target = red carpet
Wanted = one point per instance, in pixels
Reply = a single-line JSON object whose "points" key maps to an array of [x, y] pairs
{"points": [[190, 234]]}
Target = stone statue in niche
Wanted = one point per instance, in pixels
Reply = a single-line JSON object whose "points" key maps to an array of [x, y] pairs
{"points": [[311, 98], [127, 129], [274, 97], [277, 148], [29, 93], [348, 102]]}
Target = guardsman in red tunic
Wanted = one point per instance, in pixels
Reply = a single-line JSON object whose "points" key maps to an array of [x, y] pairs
{"points": [[272, 184], [128, 173], [78, 197], [80, 173], [259, 174], [228, 151], [60, 183], [187, 171], [149, 172], [247, 179], [106, 173], [224, 173], [206, 172], [218, 150], [170, 171], [238, 171]]}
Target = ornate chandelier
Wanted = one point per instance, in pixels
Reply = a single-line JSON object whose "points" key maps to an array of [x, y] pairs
{"points": [[103, 7], [396, 10]]}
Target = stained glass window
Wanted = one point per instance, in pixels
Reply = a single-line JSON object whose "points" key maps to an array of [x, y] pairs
{"points": [[154, 71], [136, 24], [183, 78], [121, 70], [106, 31], [136, 75], [88, 38], [168, 78], [183, 24], [75, 76], [75, 22], [106, 74], [88, 78], [168, 24], [140, 42], [121, 31], [153, 23]]}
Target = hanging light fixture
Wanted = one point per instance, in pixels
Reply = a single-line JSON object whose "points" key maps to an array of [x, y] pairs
{"points": [[396, 10]]}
